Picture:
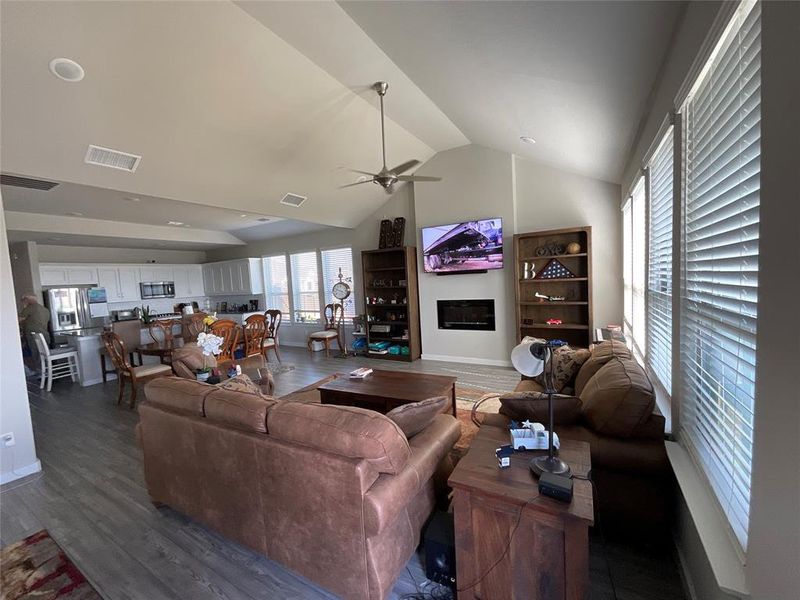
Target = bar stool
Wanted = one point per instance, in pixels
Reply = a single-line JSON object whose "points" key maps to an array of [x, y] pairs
{"points": [[52, 362]]}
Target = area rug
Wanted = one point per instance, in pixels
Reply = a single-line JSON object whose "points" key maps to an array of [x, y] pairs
{"points": [[36, 568], [277, 369], [466, 398]]}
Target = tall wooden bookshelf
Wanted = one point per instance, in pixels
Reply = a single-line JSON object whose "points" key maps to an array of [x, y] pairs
{"points": [[575, 311], [391, 300]]}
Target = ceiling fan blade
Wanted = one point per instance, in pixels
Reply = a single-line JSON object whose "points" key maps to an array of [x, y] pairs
{"points": [[356, 183], [405, 166], [417, 178], [361, 172]]}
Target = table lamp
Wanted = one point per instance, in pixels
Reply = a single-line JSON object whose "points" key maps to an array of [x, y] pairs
{"points": [[532, 357]]}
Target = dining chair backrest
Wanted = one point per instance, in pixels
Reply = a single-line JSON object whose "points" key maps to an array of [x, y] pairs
{"points": [[115, 348], [228, 330], [334, 313], [41, 344], [193, 326], [255, 330], [274, 318], [130, 332], [161, 331]]}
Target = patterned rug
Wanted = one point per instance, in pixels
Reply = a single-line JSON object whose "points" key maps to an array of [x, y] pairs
{"points": [[277, 369], [36, 568], [466, 397]]}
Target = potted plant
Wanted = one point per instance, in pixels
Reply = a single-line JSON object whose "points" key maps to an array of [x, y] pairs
{"points": [[145, 313], [210, 345]]}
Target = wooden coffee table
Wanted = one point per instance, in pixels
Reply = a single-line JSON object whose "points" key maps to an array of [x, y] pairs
{"points": [[512, 543], [382, 391]]}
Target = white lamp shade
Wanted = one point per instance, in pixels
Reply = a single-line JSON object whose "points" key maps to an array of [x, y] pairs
{"points": [[525, 362]]}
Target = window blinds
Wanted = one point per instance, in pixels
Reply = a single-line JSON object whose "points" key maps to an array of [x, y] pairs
{"points": [[332, 261], [305, 287], [638, 259], [627, 266], [720, 263], [659, 262], [276, 283]]}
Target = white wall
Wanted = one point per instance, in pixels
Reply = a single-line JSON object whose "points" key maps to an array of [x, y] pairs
{"points": [[15, 414], [25, 268], [548, 198], [88, 254], [476, 184]]}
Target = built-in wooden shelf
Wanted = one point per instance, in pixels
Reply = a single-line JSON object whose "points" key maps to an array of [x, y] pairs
{"points": [[373, 270], [576, 309]]}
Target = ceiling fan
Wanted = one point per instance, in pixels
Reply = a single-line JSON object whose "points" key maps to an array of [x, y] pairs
{"points": [[387, 178]]}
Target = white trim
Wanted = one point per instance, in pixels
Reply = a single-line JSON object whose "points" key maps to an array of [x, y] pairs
{"points": [[15, 474], [685, 572], [468, 360], [712, 527]]}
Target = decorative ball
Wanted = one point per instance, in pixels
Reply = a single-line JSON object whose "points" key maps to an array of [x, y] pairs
{"points": [[573, 248]]}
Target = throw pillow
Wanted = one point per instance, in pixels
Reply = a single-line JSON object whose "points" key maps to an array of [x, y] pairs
{"points": [[533, 406], [566, 364], [413, 418]]}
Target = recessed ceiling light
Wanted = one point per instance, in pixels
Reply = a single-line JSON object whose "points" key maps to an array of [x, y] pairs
{"points": [[176, 223], [76, 214], [131, 199], [527, 139], [243, 216], [66, 69]]}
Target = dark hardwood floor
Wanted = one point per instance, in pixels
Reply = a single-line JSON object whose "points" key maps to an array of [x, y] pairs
{"points": [[91, 497]]}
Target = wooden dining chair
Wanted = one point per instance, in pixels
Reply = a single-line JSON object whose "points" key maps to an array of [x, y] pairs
{"points": [[334, 314], [228, 330], [136, 375], [130, 332], [273, 319], [192, 326], [161, 330], [255, 330]]}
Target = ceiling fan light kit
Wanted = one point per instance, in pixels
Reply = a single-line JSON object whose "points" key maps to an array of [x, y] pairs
{"points": [[387, 178]]}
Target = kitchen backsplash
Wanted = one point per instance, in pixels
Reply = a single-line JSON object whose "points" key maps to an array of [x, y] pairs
{"points": [[158, 305]]}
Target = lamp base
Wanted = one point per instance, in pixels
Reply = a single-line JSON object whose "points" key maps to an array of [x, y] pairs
{"points": [[545, 464]]}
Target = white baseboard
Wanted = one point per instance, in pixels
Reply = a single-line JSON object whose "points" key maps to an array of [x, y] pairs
{"points": [[468, 360], [30, 469]]}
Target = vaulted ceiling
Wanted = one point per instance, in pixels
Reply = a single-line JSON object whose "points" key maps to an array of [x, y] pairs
{"points": [[232, 105]]}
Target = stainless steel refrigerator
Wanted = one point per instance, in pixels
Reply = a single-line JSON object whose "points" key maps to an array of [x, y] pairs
{"points": [[76, 310]]}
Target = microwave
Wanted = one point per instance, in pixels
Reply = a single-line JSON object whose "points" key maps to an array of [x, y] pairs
{"points": [[157, 289]]}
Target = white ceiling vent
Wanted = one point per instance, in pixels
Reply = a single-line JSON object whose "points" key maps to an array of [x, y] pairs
{"points": [[293, 200], [106, 157]]}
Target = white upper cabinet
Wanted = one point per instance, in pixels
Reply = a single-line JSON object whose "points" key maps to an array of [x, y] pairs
{"points": [[51, 275], [129, 283], [188, 281], [233, 277], [154, 273]]}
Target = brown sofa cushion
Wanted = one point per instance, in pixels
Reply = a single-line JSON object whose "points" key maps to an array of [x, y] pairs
{"points": [[178, 394], [187, 359], [343, 430], [529, 385], [618, 399], [533, 406], [239, 409], [416, 416], [566, 364], [600, 355]]}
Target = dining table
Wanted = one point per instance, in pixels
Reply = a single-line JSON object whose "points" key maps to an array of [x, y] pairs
{"points": [[162, 349]]}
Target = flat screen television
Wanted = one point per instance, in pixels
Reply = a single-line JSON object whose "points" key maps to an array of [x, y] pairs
{"points": [[463, 247]]}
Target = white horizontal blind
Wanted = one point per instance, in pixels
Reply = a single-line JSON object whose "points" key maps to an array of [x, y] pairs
{"points": [[720, 262], [276, 282], [627, 266], [659, 262], [332, 262], [305, 287], [638, 253]]}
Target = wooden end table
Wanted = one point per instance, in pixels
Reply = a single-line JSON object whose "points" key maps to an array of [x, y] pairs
{"points": [[382, 391], [542, 545]]}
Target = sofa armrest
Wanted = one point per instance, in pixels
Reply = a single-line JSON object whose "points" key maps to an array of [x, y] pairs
{"points": [[390, 494], [534, 406]]}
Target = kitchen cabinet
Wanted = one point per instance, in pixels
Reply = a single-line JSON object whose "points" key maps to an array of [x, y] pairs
{"points": [[121, 283], [153, 273], [52, 275], [188, 281], [233, 277]]}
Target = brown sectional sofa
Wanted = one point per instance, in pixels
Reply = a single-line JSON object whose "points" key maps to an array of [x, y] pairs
{"points": [[614, 410], [337, 494]]}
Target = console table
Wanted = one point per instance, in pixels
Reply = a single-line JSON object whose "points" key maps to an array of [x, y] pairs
{"points": [[548, 556]]}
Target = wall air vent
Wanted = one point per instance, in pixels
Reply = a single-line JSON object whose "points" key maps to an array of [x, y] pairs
{"points": [[263, 219], [293, 200], [25, 182], [106, 157]]}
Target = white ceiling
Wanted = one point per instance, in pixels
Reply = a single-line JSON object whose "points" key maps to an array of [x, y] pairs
{"points": [[573, 75], [231, 105]]}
